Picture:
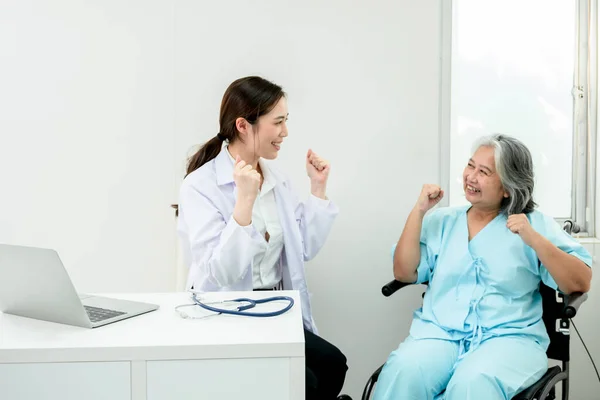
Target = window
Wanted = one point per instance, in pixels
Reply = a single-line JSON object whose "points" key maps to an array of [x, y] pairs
{"points": [[523, 67]]}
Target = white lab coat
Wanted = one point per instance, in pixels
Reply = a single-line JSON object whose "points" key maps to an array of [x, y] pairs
{"points": [[219, 252]]}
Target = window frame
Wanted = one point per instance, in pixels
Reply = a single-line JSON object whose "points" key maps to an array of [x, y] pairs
{"points": [[585, 74]]}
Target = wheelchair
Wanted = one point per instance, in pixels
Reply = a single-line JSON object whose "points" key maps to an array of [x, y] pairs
{"points": [[558, 309]]}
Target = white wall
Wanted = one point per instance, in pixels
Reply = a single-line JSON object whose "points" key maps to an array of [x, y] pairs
{"points": [[87, 138], [584, 382], [101, 101]]}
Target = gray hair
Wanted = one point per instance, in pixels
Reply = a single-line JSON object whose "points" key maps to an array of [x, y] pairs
{"points": [[514, 166]]}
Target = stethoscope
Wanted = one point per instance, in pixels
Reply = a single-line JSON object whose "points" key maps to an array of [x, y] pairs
{"points": [[240, 309]]}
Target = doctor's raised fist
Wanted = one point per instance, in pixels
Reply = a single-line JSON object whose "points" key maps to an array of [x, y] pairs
{"points": [[317, 168], [247, 180], [429, 197]]}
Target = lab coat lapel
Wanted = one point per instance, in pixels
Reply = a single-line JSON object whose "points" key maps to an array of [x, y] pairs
{"points": [[293, 275], [291, 234]]}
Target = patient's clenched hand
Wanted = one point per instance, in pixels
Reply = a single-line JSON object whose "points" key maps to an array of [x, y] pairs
{"points": [[519, 224]]}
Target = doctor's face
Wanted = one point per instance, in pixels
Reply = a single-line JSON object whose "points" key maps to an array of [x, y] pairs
{"points": [[481, 183], [269, 131]]}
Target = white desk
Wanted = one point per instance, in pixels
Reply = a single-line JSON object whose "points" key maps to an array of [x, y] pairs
{"points": [[157, 356]]}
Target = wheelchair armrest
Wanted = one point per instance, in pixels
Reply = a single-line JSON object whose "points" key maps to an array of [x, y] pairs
{"points": [[393, 286], [572, 303]]}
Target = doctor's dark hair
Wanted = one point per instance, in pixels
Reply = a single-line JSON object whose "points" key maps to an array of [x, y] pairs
{"points": [[249, 98], [514, 166]]}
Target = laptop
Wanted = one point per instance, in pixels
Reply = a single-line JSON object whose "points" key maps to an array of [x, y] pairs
{"points": [[35, 284]]}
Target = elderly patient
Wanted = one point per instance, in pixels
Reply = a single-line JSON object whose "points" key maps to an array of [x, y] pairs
{"points": [[480, 334]]}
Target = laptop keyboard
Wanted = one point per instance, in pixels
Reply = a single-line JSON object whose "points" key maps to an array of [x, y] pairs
{"points": [[100, 314]]}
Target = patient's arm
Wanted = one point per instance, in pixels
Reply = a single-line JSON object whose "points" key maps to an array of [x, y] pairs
{"points": [[407, 255]]}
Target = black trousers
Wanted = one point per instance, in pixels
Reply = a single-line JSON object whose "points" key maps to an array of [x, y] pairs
{"points": [[325, 368]]}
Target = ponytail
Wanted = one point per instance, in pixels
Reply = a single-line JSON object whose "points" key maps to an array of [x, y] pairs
{"points": [[209, 151]]}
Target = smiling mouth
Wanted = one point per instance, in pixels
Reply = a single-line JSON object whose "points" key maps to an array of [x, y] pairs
{"points": [[473, 189]]}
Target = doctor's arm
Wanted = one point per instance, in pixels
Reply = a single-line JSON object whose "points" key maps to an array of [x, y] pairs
{"points": [[316, 216], [221, 249]]}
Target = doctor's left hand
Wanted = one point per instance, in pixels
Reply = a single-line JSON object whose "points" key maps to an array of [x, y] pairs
{"points": [[519, 224], [318, 172]]}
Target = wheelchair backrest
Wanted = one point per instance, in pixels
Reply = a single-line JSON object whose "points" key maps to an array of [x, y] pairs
{"points": [[557, 325]]}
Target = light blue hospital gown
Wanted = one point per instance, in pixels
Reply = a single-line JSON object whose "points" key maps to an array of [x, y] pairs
{"points": [[480, 333]]}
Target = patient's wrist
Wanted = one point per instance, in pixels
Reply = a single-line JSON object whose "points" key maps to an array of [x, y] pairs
{"points": [[418, 212]]}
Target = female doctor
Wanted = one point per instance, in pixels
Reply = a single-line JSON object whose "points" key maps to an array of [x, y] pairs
{"points": [[240, 223]]}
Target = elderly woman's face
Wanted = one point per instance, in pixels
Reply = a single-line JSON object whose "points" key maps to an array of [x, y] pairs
{"points": [[481, 183]]}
